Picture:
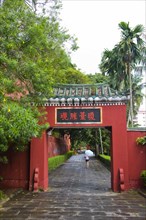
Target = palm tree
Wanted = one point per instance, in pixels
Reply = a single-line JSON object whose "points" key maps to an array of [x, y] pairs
{"points": [[131, 47], [112, 65], [119, 62]]}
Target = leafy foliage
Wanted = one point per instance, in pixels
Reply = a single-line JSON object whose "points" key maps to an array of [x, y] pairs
{"points": [[33, 56], [73, 76], [18, 126], [32, 49], [81, 137], [141, 140], [98, 78]]}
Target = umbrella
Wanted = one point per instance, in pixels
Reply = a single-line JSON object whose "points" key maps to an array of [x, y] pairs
{"points": [[89, 153]]}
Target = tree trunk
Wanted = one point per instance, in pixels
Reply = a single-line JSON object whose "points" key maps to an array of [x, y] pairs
{"points": [[101, 144], [128, 118], [96, 144], [131, 98]]}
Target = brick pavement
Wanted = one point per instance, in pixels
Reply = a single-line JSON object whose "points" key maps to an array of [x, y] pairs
{"points": [[76, 193]]}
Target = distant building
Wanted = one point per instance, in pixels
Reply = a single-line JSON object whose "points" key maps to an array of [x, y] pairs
{"points": [[140, 118], [1, 1]]}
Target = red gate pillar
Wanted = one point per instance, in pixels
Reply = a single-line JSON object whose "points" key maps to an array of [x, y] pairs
{"points": [[39, 159], [120, 181]]}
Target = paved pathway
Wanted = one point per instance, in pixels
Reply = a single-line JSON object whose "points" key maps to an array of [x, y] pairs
{"points": [[76, 193]]}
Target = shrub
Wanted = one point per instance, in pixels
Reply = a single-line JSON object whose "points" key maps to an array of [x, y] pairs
{"points": [[143, 176], [56, 161], [106, 160], [2, 195], [141, 140]]}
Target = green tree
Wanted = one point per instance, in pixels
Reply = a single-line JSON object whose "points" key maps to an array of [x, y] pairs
{"points": [[73, 76], [32, 54], [32, 48], [98, 78]]}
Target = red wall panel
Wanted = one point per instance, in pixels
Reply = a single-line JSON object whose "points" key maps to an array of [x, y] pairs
{"points": [[136, 158], [16, 173]]}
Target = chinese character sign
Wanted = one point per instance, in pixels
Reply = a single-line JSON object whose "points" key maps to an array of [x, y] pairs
{"points": [[83, 115]]}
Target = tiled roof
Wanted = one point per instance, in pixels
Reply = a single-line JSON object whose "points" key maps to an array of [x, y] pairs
{"points": [[86, 94]]}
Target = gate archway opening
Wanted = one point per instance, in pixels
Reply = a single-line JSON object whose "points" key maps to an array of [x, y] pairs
{"points": [[97, 139]]}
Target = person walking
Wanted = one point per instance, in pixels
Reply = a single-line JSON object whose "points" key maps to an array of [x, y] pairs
{"points": [[87, 161]]}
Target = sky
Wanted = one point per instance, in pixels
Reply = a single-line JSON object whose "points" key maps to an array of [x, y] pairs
{"points": [[95, 24]]}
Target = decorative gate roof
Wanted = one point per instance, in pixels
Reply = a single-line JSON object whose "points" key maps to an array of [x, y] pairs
{"points": [[85, 94]]}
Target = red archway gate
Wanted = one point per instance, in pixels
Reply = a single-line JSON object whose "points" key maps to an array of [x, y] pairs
{"points": [[85, 106], [113, 116]]}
